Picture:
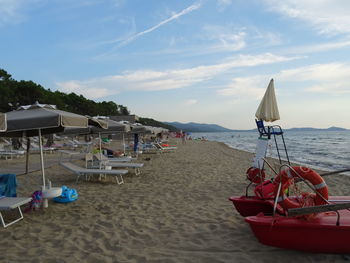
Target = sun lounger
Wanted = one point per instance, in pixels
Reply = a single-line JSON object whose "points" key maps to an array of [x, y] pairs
{"points": [[78, 170], [34, 147], [149, 148], [135, 166], [9, 154], [165, 149], [81, 143], [8, 203], [97, 161], [121, 159], [103, 158]]}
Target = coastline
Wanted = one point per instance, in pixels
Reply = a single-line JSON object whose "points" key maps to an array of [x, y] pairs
{"points": [[177, 210], [328, 158]]}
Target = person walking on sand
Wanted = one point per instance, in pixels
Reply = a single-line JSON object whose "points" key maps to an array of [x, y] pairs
{"points": [[183, 136]]}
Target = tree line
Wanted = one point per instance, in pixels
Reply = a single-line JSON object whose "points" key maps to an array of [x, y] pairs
{"points": [[15, 93]]}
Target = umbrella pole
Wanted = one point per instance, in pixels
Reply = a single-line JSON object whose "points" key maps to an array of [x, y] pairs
{"points": [[42, 158], [99, 135], [27, 155], [123, 144]]}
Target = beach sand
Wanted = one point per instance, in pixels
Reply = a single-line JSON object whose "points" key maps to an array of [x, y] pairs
{"points": [[177, 210]]}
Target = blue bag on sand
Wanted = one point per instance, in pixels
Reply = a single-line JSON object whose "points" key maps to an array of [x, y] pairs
{"points": [[68, 195]]}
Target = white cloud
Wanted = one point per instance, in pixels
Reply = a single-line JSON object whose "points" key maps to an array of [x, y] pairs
{"points": [[10, 11], [151, 80], [90, 92], [326, 16], [230, 39], [332, 79], [315, 48], [222, 4], [191, 102], [252, 87]]}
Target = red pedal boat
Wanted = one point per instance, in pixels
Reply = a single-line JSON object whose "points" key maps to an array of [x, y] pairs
{"points": [[252, 205], [318, 234]]}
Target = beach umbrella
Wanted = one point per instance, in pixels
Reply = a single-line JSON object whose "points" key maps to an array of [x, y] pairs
{"points": [[113, 127], [93, 123], [268, 109], [137, 129], [39, 119], [2, 122]]}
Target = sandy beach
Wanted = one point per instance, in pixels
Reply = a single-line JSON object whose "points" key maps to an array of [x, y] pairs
{"points": [[177, 210]]}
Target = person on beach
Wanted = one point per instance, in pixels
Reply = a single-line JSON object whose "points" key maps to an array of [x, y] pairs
{"points": [[183, 136]]}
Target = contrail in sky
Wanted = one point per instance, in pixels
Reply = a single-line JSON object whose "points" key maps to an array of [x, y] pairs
{"points": [[175, 16]]}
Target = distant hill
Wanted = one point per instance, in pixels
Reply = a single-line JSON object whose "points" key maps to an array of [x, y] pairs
{"points": [[317, 129], [155, 123], [198, 127], [202, 127]]}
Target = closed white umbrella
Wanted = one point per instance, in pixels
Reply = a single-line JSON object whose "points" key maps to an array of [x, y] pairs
{"points": [[268, 109]]}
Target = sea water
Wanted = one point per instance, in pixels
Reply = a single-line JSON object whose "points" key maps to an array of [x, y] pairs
{"points": [[327, 150]]}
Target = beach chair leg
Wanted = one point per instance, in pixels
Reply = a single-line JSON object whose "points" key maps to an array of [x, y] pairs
{"points": [[121, 181], [12, 222], [76, 181]]}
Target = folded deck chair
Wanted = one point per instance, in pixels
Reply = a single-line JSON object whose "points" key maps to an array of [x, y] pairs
{"points": [[96, 162], [8, 203], [78, 170]]}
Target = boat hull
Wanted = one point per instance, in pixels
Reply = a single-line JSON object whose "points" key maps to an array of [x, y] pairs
{"points": [[319, 234], [252, 205]]}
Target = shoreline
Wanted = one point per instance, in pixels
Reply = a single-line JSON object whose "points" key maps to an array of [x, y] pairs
{"points": [[315, 167], [177, 210]]}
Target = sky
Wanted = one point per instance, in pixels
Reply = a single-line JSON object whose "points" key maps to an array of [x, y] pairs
{"points": [[204, 61]]}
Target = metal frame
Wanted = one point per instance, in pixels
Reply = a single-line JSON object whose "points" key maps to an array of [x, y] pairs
{"points": [[12, 222]]}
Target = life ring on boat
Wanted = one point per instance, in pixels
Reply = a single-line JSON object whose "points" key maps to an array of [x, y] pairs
{"points": [[255, 175], [286, 176]]}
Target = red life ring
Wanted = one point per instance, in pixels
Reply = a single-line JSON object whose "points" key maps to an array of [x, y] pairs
{"points": [[286, 176]]}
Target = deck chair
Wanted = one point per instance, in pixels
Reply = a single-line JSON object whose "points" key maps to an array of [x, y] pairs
{"points": [[79, 171], [9, 203], [10, 154], [81, 143], [148, 148], [165, 149], [101, 160]]}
